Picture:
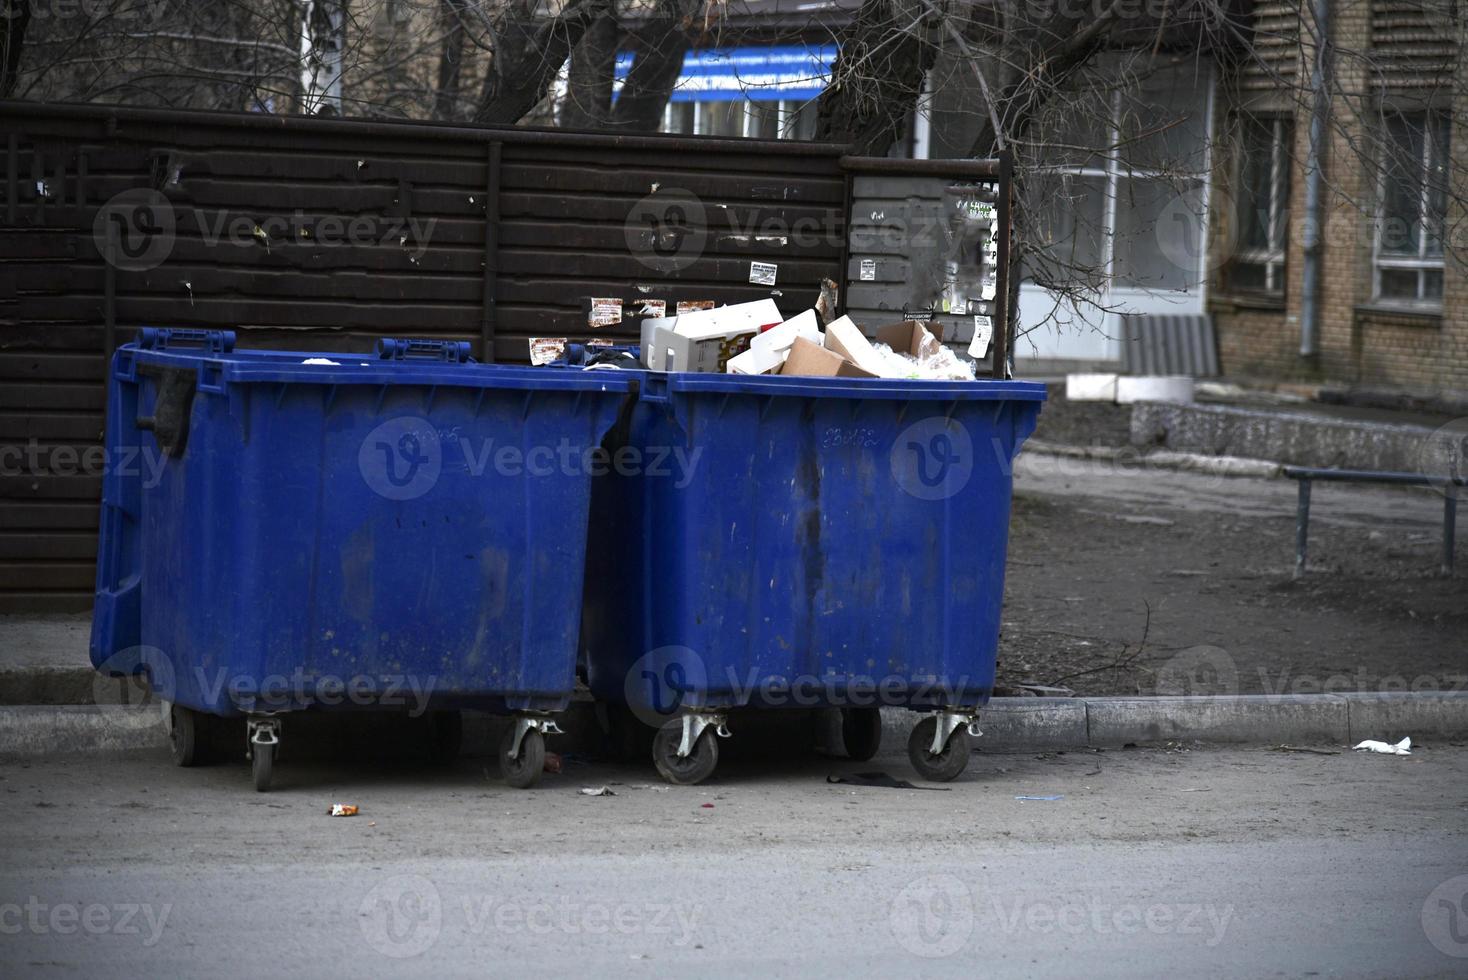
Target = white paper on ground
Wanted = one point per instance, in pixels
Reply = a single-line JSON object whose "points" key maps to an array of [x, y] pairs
{"points": [[1404, 747]]}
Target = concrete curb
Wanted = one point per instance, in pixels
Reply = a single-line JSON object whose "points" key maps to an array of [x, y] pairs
{"points": [[1162, 459], [31, 730], [1025, 724], [1009, 724]]}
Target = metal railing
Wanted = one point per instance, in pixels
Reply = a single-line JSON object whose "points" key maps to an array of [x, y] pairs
{"points": [[1308, 474]]}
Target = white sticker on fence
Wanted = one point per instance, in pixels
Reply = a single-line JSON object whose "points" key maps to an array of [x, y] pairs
{"points": [[604, 313], [763, 273], [983, 333], [544, 350], [868, 270]]}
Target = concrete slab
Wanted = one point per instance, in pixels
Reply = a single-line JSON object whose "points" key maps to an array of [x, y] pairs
{"points": [[1257, 718], [1391, 715]]}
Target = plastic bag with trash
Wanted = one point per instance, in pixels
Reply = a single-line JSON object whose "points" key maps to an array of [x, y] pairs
{"points": [[1404, 747], [933, 361]]}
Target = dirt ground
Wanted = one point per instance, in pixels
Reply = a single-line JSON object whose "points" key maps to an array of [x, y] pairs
{"points": [[1125, 580]]}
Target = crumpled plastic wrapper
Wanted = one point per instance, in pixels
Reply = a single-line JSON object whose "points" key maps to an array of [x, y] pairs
{"points": [[934, 362], [1404, 747]]}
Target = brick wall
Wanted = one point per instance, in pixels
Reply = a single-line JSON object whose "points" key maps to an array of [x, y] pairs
{"points": [[1361, 341]]}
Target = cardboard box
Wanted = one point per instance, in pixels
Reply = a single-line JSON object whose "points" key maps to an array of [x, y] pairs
{"points": [[908, 336], [757, 360], [729, 321], [651, 355], [671, 351], [780, 338], [812, 360], [846, 339]]}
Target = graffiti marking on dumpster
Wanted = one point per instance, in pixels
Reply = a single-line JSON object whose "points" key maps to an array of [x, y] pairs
{"points": [[401, 458], [933, 459], [402, 916]]}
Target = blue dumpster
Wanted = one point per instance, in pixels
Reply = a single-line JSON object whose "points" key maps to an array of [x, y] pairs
{"points": [[804, 542], [285, 531]]}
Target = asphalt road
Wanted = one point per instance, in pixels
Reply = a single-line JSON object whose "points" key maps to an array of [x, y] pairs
{"points": [[1152, 863]]}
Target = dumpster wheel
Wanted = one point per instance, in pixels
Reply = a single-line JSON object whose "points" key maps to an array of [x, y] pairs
{"points": [[184, 736], [262, 766], [697, 765], [861, 732], [263, 736], [522, 771], [947, 764]]}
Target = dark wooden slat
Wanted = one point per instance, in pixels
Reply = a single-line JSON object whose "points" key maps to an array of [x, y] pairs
{"points": [[66, 515], [45, 487], [51, 397], [35, 575], [12, 603], [45, 367], [50, 546], [75, 428]]}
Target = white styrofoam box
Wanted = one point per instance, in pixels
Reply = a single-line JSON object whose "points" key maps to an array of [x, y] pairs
{"points": [[1156, 388], [1090, 387], [757, 361], [651, 356], [728, 321], [780, 338], [846, 338]]}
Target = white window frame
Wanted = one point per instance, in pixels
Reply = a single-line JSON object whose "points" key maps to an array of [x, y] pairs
{"points": [[1113, 170], [1272, 257], [1421, 263]]}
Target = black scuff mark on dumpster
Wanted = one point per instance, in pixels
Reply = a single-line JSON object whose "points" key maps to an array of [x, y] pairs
{"points": [[357, 555], [494, 573], [812, 547]]}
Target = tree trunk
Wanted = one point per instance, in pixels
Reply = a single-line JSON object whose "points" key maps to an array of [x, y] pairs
{"points": [[877, 77], [589, 84], [529, 54], [450, 60], [655, 69], [17, 18]]}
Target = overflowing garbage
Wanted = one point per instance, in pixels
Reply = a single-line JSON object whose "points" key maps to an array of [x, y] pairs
{"points": [[757, 339]]}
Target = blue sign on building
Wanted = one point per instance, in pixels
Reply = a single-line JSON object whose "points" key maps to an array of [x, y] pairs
{"points": [[753, 74]]}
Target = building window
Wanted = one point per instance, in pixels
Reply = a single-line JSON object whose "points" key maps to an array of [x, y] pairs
{"points": [[1263, 205], [1123, 207], [1413, 197], [678, 117]]}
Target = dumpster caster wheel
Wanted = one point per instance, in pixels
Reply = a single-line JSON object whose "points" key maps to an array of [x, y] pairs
{"points": [[861, 731], [446, 736], [263, 735], [522, 771], [702, 754], [262, 765], [185, 736], [944, 766]]}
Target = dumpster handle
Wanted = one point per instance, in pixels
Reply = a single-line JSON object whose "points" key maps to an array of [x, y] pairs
{"points": [[163, 338], [654, 390], [402, 349]]}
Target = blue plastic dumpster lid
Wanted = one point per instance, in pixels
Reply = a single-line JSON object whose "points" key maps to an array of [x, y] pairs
{"points": [[397, 362]]}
